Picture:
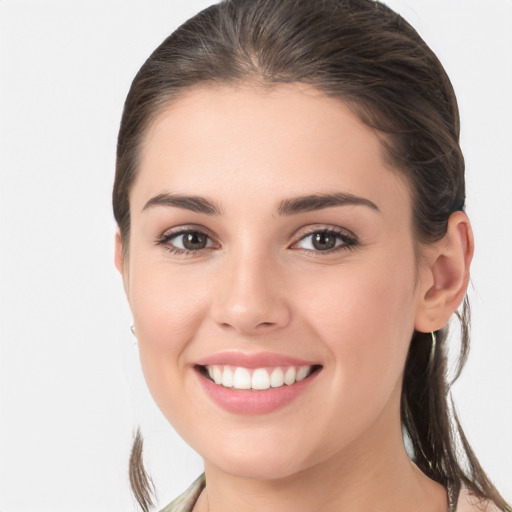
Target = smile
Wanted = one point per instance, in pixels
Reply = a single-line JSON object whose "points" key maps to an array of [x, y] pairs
{"points": [[260, 379], [255, 383]]}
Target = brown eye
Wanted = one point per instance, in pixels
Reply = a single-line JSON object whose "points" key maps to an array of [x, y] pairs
{"points": [[186, 241], [323, 241], [194, 240], [326, 240]]}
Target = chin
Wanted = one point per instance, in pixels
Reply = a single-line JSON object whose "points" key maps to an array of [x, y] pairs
{"points": [[258, 469], [257, 461]]}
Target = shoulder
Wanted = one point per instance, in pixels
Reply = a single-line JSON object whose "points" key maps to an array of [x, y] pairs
{"points": [[468, 502], [186, 501]]}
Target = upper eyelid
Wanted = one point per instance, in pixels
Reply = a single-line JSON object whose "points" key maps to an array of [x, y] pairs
{"points": [[315, 228], [170, 232]]}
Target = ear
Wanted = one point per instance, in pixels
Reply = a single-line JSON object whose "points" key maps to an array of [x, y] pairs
{"points": [[445, 277]]}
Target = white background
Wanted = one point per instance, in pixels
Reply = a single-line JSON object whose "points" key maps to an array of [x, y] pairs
{"points": [[71, 391]]}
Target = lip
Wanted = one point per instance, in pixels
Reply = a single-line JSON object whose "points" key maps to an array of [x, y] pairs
{"points": [[241, 401], [256, 360]]}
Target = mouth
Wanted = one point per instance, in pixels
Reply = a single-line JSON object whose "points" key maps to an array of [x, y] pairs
{"points": [[256, 379]]}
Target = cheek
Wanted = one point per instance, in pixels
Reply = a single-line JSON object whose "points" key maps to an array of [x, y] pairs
{"points": [[165, 303], [365, 317], [167, 310]]}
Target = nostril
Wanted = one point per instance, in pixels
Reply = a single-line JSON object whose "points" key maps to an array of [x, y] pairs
{"points": [[250, 317]]}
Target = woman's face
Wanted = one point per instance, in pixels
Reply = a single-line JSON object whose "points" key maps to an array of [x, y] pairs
{"points": [[271, 249]]}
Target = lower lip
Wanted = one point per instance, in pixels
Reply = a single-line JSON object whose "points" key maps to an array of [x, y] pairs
{"points": [[247, 401]]}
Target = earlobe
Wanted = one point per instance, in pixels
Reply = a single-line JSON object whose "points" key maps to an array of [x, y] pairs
{"points": [[447, 275]]}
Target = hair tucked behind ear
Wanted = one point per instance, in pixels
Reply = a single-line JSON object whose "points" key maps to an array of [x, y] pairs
{"points": [[370, 58]]}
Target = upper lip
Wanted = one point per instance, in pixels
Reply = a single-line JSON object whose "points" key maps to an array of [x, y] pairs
{"points": [[253, 360]]}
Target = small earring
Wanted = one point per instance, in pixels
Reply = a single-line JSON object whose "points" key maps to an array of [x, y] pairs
{"points": [[132, 329], [432, 351]]}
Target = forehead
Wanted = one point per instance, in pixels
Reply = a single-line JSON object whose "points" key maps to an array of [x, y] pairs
{"points": [[274, 142]]}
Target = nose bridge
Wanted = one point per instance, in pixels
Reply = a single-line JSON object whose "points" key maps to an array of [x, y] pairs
{"points": [[249, 299]]}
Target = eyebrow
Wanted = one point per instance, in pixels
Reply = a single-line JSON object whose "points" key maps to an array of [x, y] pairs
{"points": [[286, 207], [319, 201], [193, 203]]}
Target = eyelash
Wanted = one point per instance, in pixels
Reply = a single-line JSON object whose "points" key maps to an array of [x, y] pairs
{"points": [[348, 241], [165, 239]]}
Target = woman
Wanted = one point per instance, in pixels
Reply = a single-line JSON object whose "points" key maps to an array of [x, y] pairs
{"points": [[292, 238]]}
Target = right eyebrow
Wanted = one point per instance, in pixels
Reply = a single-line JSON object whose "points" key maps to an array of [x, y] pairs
{"points": [[193, 203], [320, 201]]}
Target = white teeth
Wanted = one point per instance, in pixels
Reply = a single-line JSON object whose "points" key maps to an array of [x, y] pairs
{"points": [[257, 379], [277, 378], [289, 376], [217, 375], [302, 373], [260, 379], [227, 378], [242, 379]]}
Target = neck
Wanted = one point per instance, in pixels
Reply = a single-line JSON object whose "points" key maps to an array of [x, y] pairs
{"points": [[373, 473]]}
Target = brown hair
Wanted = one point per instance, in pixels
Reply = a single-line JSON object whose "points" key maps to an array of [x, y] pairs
{"points": [[363, 53]]}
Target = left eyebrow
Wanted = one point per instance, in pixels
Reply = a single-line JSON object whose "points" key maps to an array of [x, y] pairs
{"points": [[320, 201], [192, 203]]}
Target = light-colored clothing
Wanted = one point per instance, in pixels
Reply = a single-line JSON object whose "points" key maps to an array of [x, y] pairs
{"points": [[186, 501], [459, 502]]}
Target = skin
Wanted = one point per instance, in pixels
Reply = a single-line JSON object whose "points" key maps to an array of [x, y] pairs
{"points": [[261, 286]]}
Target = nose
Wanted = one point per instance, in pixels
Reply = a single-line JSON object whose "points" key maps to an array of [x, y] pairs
{"points": [[250, 297]]}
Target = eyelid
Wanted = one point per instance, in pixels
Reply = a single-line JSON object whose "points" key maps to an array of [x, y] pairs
{"points": [[185, 228], [165, 238], [315, 228], [350, 239]]}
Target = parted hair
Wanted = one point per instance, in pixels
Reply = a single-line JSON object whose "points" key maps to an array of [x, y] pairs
{"points": [[370, 58]]}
